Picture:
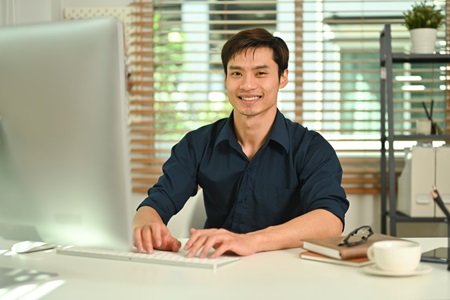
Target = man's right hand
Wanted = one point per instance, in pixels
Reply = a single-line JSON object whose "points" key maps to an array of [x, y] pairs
{"points": [[149, 232]]}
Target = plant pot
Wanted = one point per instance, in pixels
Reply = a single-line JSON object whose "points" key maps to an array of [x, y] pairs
{"points": [[423, 40]]}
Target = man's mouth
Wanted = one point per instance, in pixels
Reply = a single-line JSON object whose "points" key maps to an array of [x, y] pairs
{"points": [[253, 98]]}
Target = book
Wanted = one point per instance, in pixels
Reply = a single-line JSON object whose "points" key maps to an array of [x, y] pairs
{"points": [[352, 262], [330, 246]]}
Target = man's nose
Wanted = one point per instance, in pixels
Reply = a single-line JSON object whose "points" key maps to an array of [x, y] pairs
{"points": [[248, 82]]}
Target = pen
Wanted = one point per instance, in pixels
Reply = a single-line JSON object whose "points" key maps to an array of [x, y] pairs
{"points": [[426, 111], [437, 198], [431, 110]]}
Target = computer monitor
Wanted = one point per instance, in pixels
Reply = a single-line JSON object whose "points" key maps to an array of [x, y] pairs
{"points": [[64, 146]]}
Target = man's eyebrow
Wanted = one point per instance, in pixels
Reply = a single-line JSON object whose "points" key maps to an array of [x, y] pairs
{"points": [[234, 67], [254, 68]]}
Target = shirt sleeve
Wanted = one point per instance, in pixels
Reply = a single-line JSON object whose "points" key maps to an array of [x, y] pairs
{"points": [[178, 182], [321, 179]]}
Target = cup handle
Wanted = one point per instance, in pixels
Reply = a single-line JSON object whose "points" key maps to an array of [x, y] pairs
{"points": [[370, 253]]}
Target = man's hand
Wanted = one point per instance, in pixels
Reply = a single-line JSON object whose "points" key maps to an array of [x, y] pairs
{"points": [[223, 241], [318, 223], [149, 232]]}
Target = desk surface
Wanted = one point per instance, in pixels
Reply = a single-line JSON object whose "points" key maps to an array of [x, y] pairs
{"points": [[270, 275]]}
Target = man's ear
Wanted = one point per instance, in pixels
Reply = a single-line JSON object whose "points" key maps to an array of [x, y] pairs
{"points": [[225, 78], [283, 79]]}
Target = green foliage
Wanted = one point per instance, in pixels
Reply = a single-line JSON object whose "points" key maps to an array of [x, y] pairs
{"points": [[423, 15]]}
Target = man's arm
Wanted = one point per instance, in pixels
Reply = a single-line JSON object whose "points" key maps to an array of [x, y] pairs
{"points": [[150, 232], [318, 223]]}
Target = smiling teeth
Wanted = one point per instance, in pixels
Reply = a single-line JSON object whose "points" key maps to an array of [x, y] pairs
{"points": [[249, 98]]}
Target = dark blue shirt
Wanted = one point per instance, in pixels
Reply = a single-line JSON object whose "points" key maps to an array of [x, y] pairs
{"points": [[294, 172]]}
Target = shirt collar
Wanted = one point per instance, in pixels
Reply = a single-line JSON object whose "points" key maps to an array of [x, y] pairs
{"points": [[227, 132], [278, 134]]}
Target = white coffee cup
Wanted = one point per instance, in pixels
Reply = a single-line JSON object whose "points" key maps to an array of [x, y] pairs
{"points": [[395, 255]]}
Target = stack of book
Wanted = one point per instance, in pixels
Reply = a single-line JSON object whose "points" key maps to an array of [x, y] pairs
{"points": [[328, 250]]}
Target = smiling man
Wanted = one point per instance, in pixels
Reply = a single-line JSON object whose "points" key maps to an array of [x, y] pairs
{"points": [[268, 182]]}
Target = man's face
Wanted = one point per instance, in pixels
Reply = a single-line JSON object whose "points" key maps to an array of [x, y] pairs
{"points": [[252, 82]]}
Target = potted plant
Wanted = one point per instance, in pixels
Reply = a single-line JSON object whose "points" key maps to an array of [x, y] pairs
{"points": [[422, 21]]}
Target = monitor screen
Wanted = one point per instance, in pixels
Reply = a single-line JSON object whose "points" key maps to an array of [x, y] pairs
{"points": [[64, 148]]}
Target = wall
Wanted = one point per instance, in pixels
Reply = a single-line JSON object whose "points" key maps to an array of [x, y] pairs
{"points": [[31, 11]]}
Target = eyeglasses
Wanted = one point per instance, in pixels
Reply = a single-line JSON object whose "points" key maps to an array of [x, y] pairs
{"points": [[358, 236]]}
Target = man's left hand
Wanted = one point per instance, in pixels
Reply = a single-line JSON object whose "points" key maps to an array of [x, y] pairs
{"points": [[221, 240]]}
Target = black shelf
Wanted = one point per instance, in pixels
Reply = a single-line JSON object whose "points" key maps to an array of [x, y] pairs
{"points": [[420, 58], [415, 58], [401, 217], [387, 162], [419, 137]]}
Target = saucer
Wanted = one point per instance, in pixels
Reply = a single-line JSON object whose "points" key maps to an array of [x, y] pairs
{"points": [[374, 270]]}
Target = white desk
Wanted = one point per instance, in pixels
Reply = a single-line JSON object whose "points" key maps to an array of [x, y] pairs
{"points": [[271, 275]]}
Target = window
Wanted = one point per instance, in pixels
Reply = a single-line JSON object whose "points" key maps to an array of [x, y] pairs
{"points": [[177, 75]]}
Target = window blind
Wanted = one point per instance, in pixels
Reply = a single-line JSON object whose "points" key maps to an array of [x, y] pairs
{"points": [[177, 77]]}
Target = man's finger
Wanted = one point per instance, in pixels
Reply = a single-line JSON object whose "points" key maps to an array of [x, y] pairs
{"points": [[146, 235]]}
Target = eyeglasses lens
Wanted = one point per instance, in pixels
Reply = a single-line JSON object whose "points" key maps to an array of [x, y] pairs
{"points": [[361, 235]]}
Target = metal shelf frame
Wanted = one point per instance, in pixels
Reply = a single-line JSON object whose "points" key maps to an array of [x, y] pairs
{"points": [[387, 161]]}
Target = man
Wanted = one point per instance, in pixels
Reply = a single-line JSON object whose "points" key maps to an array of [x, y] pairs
{"points": [[268, 183]]}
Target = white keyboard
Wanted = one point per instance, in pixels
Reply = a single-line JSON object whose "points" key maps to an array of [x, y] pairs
{"points": [[158, 257]]}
